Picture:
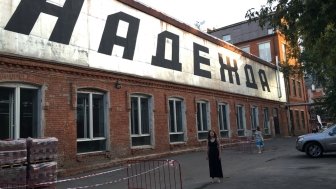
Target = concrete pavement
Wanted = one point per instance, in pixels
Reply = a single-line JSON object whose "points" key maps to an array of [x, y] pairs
{"points": [[280, 166]]}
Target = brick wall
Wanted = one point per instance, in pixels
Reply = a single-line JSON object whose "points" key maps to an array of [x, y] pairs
{"points": [[59, 83]]}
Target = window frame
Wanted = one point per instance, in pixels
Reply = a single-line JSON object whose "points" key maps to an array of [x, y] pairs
{"points": [[303, 121], [208, 121], [227, 38], [246, 47], [267, 123], [268, 54], [299, 88], [291, 117], [298, 122], [91, 137], [150, 120], [241, 120], [294, 87], [183, 117], [254, 122], [270, 31], [15, 128], [224, 133]]}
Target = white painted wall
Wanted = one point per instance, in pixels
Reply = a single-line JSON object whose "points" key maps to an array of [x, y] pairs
{"points": [[86, 37]]}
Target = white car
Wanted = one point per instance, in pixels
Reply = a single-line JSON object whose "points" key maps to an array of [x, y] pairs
{"points": [[315, 144]]}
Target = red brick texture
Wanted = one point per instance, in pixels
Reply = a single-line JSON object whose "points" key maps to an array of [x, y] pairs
{"points": [[60, 82]]}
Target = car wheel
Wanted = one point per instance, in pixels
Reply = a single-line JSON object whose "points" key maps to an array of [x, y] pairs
{"points": [[314, 150]]}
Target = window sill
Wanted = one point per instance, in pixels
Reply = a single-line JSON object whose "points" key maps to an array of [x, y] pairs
{"points": [[177, 143], [88, 139], [87, 155], [142, 147]]}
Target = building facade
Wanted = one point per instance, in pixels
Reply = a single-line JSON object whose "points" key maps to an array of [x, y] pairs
{"points": [[114, 80], [271, 46]]}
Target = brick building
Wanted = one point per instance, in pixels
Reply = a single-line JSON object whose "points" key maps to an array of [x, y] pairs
{"points": [[271, 46], [117, 79]]}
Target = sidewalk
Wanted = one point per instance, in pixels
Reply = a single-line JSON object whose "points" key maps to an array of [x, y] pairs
{"points": [[194, 168]]}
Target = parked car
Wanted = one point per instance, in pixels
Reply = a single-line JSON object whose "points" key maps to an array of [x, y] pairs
{"points": [[315, 144]]}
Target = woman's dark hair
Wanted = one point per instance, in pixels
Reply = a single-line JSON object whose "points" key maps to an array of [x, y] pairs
{"points": [[215, 135]]}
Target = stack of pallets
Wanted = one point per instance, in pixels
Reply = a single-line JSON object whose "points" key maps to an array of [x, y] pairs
{"points": [[13, 163], [28, 163], [42, 162]]}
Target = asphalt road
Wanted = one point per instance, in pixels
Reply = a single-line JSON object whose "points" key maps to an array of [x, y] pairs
{"points": [[280, 166]]}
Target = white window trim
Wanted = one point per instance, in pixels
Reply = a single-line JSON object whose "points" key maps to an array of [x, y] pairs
{"points": [[230, 38], [17, 86], [151, 122], [244, 47], [270, 31], [140, 135], [268, 124], [106, 120], [183, 121], [208, 117], [244, 120], [227, 118], [257, 117], [270, 51], [91, 138]]}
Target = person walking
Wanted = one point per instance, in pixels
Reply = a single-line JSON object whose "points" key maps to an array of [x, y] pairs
{"points": [[213, 157], [259, 140]]}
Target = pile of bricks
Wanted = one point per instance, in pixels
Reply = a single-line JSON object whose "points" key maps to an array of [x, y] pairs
{"points": [[28, 163], [42, 165], [13, 162]]}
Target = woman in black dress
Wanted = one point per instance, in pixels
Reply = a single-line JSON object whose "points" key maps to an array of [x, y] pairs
{"points": [[215, 165]]}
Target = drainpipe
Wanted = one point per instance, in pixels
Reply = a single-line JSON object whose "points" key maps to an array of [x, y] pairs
{"points": [[278, 76], [290, 127]]}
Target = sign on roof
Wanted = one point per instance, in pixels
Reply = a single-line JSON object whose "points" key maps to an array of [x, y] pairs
{"points": [[110, 35]]}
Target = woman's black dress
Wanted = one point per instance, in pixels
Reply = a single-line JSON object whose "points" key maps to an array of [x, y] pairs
{"points": [[215, 165]]}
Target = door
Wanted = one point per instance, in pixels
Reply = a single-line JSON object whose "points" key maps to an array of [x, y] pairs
{"points": [[276, 121]]}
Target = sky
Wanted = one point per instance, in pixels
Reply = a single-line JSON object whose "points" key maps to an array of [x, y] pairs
{"points": [[214, 13]]}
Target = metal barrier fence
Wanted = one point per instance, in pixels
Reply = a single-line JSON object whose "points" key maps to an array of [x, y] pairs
{"points": [[154, 174], [135, 174]]}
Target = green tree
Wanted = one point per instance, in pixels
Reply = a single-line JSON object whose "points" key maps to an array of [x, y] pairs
{"points": [[310, 28]]}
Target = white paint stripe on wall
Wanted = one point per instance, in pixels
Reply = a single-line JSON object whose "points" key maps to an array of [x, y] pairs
{"points": [[87, 34]]}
